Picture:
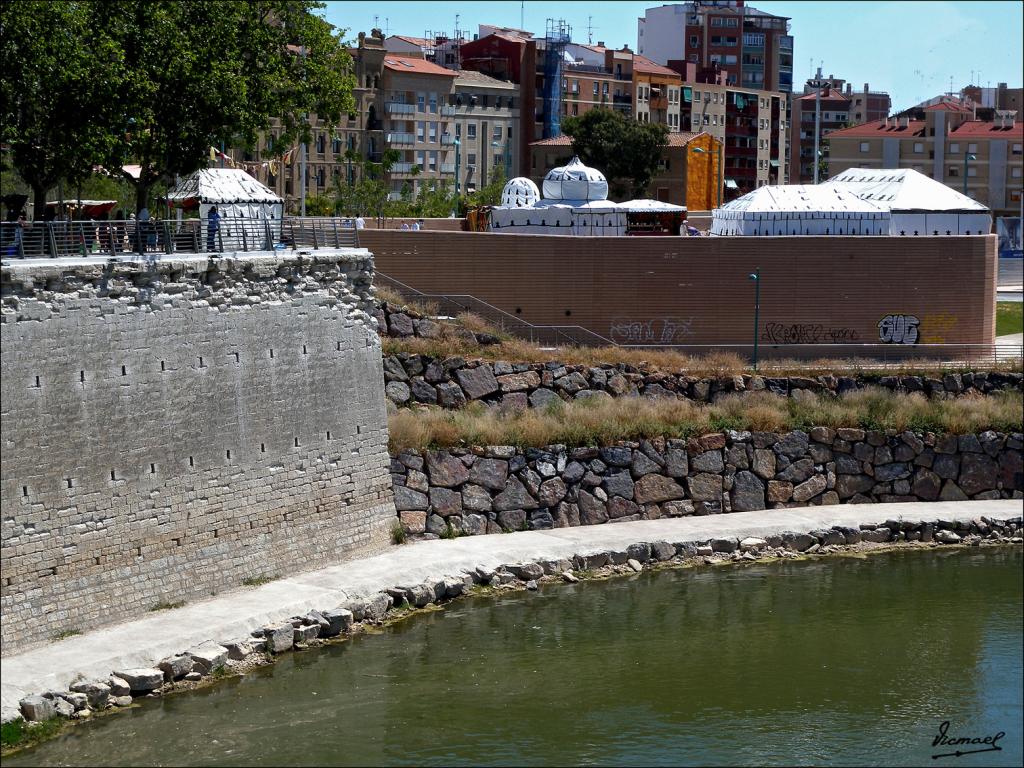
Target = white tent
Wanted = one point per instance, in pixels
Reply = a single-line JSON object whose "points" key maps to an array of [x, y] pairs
{"points": [[798, 209], [561, 217], [918, 205], [575, 181], [235, 193], [520, 192], [649, 206]]}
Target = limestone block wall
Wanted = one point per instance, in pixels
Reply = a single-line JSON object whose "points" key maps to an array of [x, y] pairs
{"points": [[174, 427]]}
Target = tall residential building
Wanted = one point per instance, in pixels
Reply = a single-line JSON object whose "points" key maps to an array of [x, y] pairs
{"points": [[975, 150], [840, 107], [999, 97], [410, 105], [754, 49]]}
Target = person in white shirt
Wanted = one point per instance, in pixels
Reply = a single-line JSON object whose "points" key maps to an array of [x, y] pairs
{"points": [[405, 225], [360, 222], [417, 226]]}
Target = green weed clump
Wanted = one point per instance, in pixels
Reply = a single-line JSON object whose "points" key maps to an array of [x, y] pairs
{"points": [[18, 734], [603, 421]]}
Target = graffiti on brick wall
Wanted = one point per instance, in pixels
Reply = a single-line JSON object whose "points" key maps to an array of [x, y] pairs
{"points": [[807, 333], [658, 330], [899, 329], [935, 326]]}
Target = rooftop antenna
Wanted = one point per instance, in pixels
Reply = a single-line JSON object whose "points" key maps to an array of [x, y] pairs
{"points": [[590, 30], [522, 10]]}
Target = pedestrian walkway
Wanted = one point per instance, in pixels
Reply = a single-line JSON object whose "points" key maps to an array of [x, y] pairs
{"points": [[233, 615]]}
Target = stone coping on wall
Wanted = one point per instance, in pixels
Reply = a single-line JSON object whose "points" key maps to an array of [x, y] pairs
{"points": [[461, 491], [105, 669]]}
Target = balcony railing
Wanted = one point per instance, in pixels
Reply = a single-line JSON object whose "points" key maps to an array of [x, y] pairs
{"points": [[447, 110], [397, 108], [447, 139], [622, 100], [399, 168], [401, 138], [448, 168]]}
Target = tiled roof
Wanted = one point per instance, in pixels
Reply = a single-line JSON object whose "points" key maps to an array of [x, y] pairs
{"points": [[674, 140], [470, 76], [421, 41], [411, 66], [978, 128], [831, 93], [947, 106], [878, 128], [645, 65]]}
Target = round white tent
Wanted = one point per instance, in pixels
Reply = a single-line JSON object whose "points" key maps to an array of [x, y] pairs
{"points": [[798, 209], [520, 192], [918, 205], [575, 181], [235, 193]]}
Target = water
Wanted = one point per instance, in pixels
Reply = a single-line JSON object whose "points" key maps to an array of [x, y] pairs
{"points": [[841, 661]]}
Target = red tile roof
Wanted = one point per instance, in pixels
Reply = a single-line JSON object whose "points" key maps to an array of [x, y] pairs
{"points": [[878, 128], [645, 65], [421, 41], [827, 94], [947, 106], [978, 128], [412, 66]]}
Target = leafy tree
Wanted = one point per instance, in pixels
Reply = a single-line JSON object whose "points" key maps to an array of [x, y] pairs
{"points": [[627, 152], [490, 194], [57, 94]]}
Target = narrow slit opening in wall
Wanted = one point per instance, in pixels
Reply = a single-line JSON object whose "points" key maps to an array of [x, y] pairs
{"points": [[113, 476], [263, 447], [201, 363], [304, 349], [296, 442], [81, 376], [339, 346], [271, 354], [124, 370], [162, 367], [24, 490], [152, 469], [328, 434], [37, 382], [70, 482], [237, 358], [191, 462], [229, 453]]}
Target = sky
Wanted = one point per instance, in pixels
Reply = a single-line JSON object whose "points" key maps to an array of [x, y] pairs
{"points": [[910, 49]]}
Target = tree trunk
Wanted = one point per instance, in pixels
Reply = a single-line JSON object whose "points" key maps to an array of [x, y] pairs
{"points": [[141, 196]]}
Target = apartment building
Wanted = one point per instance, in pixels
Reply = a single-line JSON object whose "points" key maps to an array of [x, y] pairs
{"points": [[754, 49], [486, 112], [840, 107], [977, 151], [687, 175]]}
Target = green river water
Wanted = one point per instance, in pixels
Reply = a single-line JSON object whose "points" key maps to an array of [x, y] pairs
{"points": [[847, 661]]}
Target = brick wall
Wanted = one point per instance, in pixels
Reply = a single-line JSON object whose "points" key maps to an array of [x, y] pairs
{"points": [[173, 428], [673, 290]]}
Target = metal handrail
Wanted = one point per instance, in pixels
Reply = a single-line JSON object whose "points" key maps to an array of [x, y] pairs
{"points": [[895, 354], [570, 334]]}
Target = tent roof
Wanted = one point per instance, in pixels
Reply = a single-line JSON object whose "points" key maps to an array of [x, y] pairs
{"points": [[650, 205], [903, 189], [798, 198], [222, 185]]}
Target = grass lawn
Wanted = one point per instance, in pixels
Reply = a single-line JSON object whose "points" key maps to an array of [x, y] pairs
{"points": [[1009, 317]]}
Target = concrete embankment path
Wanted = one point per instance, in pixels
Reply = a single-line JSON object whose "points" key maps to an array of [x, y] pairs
{"points": [[233, 615]]}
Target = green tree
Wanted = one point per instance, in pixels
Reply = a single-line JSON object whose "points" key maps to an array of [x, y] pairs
{"points": [[57, 93], [625, 151], [202, 72]]}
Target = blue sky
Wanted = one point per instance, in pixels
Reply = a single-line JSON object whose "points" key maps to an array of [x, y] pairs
{"points": [[909, 49]]}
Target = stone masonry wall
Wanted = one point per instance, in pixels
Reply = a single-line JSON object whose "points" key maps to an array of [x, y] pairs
{"points": [[174, 427], [452, 382], [501, 488]]}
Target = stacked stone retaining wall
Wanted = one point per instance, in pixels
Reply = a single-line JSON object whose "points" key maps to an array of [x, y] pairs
{"points": [[175, 427], [454, 381], [500, 488]]}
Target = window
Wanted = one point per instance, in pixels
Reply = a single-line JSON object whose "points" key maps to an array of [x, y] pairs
{"points": [[865, 146], [471, 158], [575, 86], [1015, 196], [693, 41], [953, 172], [605, 88], [972, 148], [575, 109], [1015, 173], [954, 148], [433, 131], [433, 160], [421, 128], [497, 161], [433, 103], [597, 88], [458, 130], [471, 130], [496, 135], [918, 147], [692, 57], [1016, 149], [565, 84], [972, 171], [421, 102]]}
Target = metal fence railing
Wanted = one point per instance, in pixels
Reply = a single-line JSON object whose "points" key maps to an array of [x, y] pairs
{"points": [[63, 239], [879, 355], [452, 305]]}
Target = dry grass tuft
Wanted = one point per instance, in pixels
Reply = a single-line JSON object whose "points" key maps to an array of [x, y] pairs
{"points": [[603, 421]]}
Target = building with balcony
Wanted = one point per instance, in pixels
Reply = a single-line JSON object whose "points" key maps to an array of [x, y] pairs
{"points": [[974, 150], [486, 114], [753, 48], [840, 107]]}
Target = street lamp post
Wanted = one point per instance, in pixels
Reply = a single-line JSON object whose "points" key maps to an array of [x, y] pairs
{"points": [[817, 83], [506, 155], [457, 142], [967, 156], [756, 277]]}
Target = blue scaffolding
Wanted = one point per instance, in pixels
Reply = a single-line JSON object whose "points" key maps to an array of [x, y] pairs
{"points": [[556, 36]]}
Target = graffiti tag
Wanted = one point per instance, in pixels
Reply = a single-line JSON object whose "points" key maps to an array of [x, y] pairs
{"points": [[659, 330], [806, 333], [934, 327], [898, 329]]}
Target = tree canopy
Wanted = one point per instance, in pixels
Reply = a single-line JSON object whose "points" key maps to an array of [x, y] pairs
{"points": [[157, 82], [625, 151]]}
